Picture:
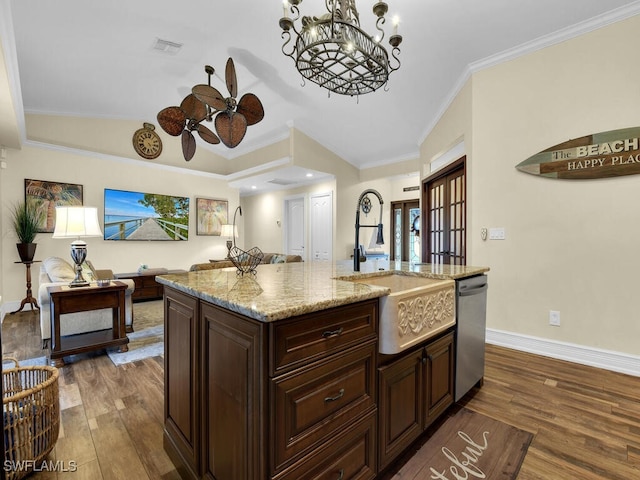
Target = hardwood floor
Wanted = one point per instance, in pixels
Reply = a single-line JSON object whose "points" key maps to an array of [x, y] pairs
{"points": [[111, 417], [585, 421]]}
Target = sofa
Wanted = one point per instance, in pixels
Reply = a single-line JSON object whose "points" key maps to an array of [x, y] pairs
{"points": [[57, 271], [268, 258]]}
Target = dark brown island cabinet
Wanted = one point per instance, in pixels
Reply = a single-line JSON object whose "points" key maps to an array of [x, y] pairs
{"points": [[308, 397]]}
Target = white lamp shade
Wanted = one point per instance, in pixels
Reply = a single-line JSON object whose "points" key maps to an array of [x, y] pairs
{"points": [[77, 222], [227, 231]]}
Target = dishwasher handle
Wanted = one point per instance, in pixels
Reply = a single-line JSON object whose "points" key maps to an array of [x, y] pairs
{"points": [[473, 291]]}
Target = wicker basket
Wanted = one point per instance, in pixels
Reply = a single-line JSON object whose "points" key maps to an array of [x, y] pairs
{"points": [[31, 413]]}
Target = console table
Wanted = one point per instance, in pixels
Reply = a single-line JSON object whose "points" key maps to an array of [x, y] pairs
{"points": [[145, 281], [65, 299]]}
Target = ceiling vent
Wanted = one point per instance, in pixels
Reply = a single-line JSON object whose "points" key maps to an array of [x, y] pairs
{"points": [[165, 46]]}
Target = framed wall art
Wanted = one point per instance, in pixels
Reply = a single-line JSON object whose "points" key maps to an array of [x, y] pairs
{"points": [[211, 214], [46, 196]]}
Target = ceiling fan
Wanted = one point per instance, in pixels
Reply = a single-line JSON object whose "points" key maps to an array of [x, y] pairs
{"points": [[232, 117]]}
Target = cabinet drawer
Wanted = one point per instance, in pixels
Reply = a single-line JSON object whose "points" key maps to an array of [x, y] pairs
{"points": [[320, 334], [349, 456], [312, 405]]}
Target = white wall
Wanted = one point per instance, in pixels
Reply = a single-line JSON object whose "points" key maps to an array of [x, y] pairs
{"points": [[95, 175], [570, 245]]}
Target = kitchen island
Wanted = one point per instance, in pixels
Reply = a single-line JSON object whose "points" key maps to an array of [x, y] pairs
{"points": [[278, 376]]}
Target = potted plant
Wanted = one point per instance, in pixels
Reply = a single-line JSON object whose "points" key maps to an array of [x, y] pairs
{"points": [[26, 222]]}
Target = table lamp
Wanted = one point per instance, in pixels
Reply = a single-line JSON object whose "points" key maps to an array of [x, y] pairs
{"points": [[228, 231], [77, 222]]}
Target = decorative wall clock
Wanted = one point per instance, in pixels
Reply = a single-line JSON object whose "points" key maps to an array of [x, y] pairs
{"points": [[147, 142]]}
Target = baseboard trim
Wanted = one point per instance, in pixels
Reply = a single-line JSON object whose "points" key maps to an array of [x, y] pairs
{"points": [[606, 359]]}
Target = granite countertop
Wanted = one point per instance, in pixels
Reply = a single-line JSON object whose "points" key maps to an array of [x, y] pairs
{"points": [[285, 290]]}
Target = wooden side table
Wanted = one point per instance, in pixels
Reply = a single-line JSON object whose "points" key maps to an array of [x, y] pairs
{"points": [[65, 299], [29, 299]]}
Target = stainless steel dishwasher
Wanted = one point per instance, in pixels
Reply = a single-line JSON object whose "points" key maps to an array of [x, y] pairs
{"points": [[471, 310]]}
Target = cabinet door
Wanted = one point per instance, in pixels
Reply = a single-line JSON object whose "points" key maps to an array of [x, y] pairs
{"points": [[181, 405], [400, 405], [234, 410], [439, 373]]}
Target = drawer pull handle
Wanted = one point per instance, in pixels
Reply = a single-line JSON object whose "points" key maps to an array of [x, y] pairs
{"points": [[341, 474], [337, 397], [332, 333]]}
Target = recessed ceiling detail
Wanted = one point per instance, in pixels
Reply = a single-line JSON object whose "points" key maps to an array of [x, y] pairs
{"points": [[281, 181]]}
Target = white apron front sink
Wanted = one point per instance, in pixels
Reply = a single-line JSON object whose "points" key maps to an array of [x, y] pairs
{"points": [[417, 308]]}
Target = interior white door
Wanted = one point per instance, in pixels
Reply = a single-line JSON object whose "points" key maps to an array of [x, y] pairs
{"points": [[295, 227], [321, 227]]}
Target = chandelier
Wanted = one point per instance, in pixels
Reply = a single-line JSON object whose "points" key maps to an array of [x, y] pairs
{"points": [[334, 52]]}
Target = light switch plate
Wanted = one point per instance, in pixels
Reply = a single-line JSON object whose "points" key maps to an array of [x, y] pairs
{"points": [[497, 233]]}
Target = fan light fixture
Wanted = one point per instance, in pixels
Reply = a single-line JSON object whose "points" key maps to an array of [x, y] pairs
{"points": [[232, 117], [334, 52]]}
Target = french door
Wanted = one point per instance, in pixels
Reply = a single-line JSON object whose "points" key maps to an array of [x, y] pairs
{"points": [[445, 214], [405, 225]]}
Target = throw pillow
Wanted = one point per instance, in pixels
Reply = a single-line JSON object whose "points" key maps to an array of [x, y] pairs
{"points": [[58, 269], [279, 259], [88, 272]]}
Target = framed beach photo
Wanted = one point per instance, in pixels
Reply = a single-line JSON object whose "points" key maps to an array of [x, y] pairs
{"points": [[46, 196], [211, 214], [130, 215]]}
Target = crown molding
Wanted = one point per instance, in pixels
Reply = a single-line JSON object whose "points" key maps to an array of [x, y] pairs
{"points": [[125, 160]]}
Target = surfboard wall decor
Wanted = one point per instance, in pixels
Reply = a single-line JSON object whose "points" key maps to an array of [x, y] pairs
{"points": [[599, 155]]}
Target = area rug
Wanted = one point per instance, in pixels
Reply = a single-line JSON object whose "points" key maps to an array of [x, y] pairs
{"points": [[147, 339], [468, 445]]}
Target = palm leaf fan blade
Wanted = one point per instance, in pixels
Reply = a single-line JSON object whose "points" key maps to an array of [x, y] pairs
{"points": [[231, 78], [193, 108], [188, 145], [210, 96], [172, 120], [207, 135], [231, 128], [251, 107]]}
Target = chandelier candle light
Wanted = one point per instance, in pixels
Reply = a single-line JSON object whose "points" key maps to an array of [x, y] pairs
{"points": [[334, 52]]}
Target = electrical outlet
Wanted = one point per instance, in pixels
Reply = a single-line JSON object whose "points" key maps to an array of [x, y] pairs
{"points": [[554, 318]]}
